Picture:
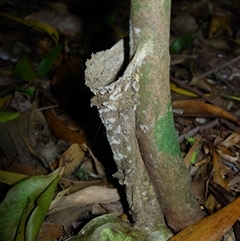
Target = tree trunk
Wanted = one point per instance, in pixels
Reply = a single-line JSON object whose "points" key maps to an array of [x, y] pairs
{"points": [[136, 111], [155, 127]]}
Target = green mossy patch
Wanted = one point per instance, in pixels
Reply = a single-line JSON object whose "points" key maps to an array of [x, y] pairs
{"points": [[165, 135], [136, 6]]}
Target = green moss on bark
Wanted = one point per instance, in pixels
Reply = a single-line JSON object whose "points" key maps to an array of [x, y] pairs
{"points": [[165, 135], [136, 6]]}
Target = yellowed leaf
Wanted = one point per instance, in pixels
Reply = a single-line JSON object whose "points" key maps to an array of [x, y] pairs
{"points": [[232, 97], [211, 203], [220, 23], [182, 91], [42, 27], [4, 99]]}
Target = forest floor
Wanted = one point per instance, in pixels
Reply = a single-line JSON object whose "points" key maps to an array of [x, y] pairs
{"points": [[46, 120]]}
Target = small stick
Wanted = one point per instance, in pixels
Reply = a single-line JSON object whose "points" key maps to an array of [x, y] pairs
{"points": [[217, 68], [196, 91], [195, 130]]}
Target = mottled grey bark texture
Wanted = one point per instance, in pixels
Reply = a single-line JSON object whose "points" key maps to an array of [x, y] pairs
{"points": [[117, 101], [136, 111]]}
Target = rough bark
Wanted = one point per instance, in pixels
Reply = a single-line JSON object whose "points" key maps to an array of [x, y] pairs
{"points": [[136, 111], [117, 102]]}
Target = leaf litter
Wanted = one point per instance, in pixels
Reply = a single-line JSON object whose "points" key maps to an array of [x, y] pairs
{"points": [[207, 113], [205, 93]]}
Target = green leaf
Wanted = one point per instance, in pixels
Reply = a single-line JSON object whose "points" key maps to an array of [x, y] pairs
{"points": [[11, 178], [181, 44], [21, 202], [38, 215], [8, 115], [24, 70], [20, 233], [110, 228], [28, 91], [191, 140], [194, 156], [48, 61]]}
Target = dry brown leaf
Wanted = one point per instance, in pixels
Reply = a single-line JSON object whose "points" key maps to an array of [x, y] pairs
{"points": [[213, 227], [220, 23], [86, 196], [199, 189], [72, 213], [70, 122], [227, 155], [180, 58], [78, 185], [50, 231], [116, 208], [16, 166], [59, 196], [196, 108], [235, 183], [71, 158], [223, 147], [202, 84], [66, 24], [217, 178], [233, 139], [60, 130], [99, 166]]}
